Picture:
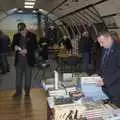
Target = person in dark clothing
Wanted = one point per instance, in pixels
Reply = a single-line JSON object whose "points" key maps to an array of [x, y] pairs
{"points": [[43, 44], [4, 45], [24, 44], [66, 43], [110, 67], [85, 48]]}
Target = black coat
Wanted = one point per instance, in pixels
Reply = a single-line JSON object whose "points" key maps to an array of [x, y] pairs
{"points": [[110, 72], [4, 43], [31, 47]]}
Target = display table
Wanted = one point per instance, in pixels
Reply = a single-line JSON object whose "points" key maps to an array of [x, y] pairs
{"points": [[84, 101], [79, 110]]}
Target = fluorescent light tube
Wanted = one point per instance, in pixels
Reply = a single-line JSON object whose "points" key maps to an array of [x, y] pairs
{"points": [[29, 3], [28, 6]]}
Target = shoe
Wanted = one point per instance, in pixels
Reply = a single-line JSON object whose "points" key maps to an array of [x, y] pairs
{"points": [[16, 95]]}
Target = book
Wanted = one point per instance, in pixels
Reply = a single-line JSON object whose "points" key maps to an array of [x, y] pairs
{"points": [[90, 89]]}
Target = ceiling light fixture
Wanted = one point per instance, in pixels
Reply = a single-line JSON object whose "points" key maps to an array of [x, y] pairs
{"points": [[29, 3], [28, 6]]}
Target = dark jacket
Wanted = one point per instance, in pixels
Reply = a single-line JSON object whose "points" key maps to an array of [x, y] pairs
{"points": [[4, 43], [31, 47], [86, 44], [110, 72], [67, 43]]}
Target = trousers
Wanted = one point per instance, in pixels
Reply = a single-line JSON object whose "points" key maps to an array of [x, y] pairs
{"points": [[23, 73]]}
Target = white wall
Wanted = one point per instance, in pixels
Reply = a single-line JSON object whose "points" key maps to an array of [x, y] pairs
{"points": [[10, 23]]}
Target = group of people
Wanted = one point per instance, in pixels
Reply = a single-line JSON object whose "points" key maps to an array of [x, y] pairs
{"points": [[109, 65], [24, 45]]}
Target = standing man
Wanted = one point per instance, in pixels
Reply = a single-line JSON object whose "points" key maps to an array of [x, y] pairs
{"points": [[110, 67], [85, 49], [24, 44], [4, 49]]}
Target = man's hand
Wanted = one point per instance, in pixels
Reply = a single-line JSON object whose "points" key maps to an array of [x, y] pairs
{"points": [[100, 82], [17, 48], [23, 52]]}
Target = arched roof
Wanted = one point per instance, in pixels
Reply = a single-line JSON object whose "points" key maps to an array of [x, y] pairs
{"points": [[83, 11]]}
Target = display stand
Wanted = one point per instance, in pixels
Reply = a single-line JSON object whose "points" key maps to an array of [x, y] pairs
{"points": [[81, 109]]}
